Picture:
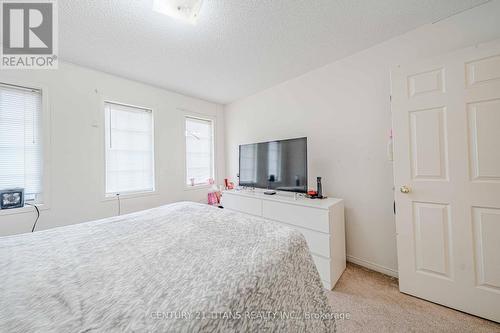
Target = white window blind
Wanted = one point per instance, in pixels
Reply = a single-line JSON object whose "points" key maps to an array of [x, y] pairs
{"points": [[21, 140], [129, 149], [199, 151]]}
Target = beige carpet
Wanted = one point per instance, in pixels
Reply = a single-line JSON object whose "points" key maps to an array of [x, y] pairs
{"points": [[374, 304]]}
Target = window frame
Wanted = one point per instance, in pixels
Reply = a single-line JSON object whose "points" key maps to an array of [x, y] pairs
{"points": [[128, 194], [213, 121], [46, 145]]}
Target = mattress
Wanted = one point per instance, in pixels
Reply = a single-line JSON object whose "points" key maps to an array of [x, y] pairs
{"points": [[183, 267]]}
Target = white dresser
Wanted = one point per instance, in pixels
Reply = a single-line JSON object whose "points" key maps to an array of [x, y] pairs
{"points": [[320, 221]]}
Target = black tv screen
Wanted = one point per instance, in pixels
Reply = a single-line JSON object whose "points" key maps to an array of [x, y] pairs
{"points": [[277, 165]]}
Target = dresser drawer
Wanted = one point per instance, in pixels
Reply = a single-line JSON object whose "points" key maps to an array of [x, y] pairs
{"points": [[323, 266], [318, 242], [242, 204], [306, 217]]}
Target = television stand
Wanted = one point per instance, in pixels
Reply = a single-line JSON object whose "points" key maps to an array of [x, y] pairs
{"points": [[321, 222]]}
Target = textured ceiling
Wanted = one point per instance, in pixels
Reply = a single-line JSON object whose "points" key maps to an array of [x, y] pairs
{"points": [[237, 47]]}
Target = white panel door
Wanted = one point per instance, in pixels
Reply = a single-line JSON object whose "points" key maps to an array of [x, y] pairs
{"points": [[446, 119]]}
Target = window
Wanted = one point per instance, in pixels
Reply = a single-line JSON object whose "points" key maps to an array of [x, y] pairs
{"points": [[21, 140], [199, 151], [129, 149]]}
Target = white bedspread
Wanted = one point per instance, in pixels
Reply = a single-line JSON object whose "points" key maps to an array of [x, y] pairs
{"points": [[183, 267]]}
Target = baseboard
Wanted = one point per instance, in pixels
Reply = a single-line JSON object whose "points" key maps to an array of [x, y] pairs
{"points": [[373, 266]]}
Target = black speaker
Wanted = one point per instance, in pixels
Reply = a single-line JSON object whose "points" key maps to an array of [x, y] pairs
{"points": [[320, 189]]}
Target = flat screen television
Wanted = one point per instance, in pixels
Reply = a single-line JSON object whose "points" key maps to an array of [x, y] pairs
{"points": [[277, 165]]}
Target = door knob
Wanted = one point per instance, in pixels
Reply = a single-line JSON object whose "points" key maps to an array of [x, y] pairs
{"points": [[405, 189]]}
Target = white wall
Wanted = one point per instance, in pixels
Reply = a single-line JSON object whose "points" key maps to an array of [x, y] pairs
{"points": [[75, 151], [344, 110]]}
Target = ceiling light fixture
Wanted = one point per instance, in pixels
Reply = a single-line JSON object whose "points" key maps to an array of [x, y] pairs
{"points": [[186, 10]]}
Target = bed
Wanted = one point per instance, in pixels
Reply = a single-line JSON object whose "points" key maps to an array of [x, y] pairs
{"points": [[183, 267]]}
